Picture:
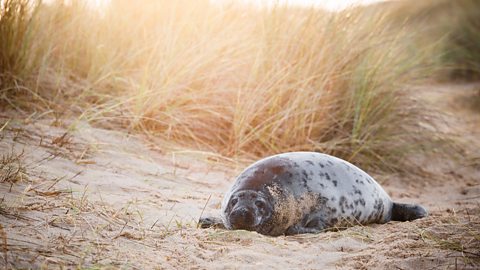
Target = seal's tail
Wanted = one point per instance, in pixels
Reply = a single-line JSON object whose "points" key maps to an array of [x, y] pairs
{"points": [[406, 212]]}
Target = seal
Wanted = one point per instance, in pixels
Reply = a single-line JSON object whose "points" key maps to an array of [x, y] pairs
{"points": [[306, 192]]}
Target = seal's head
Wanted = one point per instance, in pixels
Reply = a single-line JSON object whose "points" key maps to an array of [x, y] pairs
{"points": [[249, 210]]}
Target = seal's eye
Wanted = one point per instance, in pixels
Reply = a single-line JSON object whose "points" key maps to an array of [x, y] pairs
{"points": [[233, 202], [260, 204]]}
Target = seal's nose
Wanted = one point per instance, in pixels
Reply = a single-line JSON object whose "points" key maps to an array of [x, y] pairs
{"points": [[242, 218]]}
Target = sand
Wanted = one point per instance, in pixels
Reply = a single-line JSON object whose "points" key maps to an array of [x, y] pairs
{"points": [[74, 195]]}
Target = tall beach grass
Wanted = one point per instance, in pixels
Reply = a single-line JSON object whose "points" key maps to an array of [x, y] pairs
{"points": [[236, 80]]}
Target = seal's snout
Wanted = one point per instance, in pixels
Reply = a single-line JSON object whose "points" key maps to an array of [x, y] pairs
{"points": [[247, 210], [242, 218]]}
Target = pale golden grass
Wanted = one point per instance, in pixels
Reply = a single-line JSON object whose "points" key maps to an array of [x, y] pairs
{"points": [[233, 80]]}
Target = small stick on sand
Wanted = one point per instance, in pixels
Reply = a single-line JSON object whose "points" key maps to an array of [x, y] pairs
{"points": [[205, 206]]}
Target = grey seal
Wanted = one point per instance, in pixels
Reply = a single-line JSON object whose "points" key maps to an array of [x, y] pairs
{"points": [[306, 192]]}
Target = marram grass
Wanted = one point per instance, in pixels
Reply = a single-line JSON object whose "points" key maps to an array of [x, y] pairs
{"points": [[463, 46], [234, 80]]}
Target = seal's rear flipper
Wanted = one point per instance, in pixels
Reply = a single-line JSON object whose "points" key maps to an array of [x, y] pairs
{"points": [[210, 222], [406, 212]]}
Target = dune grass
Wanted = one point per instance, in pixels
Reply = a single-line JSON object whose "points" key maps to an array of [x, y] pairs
{"points": [[463, 47], [234, 80], [455, 24]]}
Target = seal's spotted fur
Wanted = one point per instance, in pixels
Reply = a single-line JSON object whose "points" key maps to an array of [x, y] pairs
{"points": [[307, 192]]}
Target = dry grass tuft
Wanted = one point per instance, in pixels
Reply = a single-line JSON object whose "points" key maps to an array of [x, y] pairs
{"points": [[12, 169]]}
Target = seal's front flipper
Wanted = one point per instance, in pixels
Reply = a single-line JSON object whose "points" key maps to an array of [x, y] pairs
{"points": [[210, 222], [406, 212], [315, 225], [296, 229]]}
